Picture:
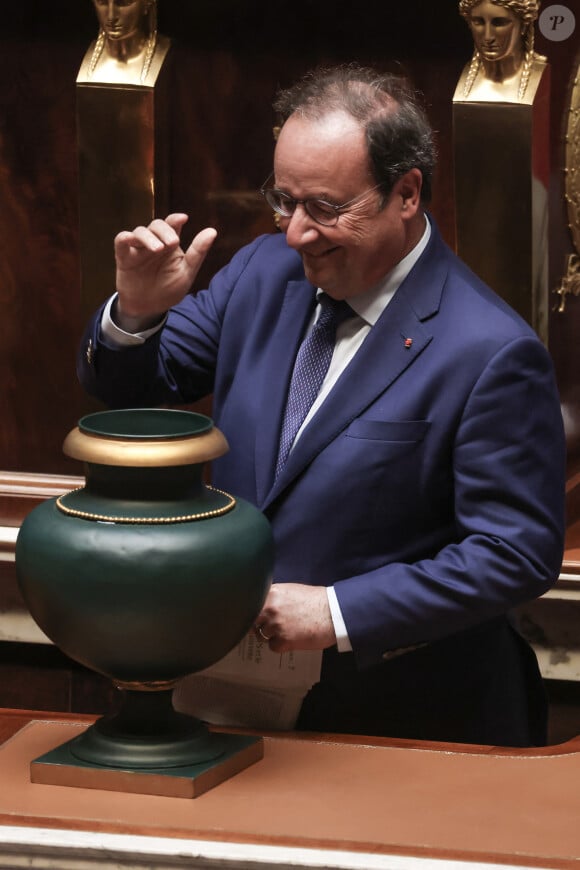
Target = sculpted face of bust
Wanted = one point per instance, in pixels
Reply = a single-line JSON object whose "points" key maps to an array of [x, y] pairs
{"points": [[496, 30], [122, 19]]}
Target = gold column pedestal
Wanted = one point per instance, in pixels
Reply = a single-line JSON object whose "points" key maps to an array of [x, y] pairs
{"points": [[123, 137], [501, 174]]}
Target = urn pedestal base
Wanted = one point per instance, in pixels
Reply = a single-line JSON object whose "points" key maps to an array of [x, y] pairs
{"points": [[61, 767], [147, 748]]}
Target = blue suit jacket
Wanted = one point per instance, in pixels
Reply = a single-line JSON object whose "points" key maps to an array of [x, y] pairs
{"points": [[428, 488]]}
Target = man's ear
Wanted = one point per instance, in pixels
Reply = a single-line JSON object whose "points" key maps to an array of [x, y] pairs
{"points": [[409, 188]]}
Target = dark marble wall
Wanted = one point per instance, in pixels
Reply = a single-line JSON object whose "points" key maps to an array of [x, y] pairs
{"points": [[228, 59]]}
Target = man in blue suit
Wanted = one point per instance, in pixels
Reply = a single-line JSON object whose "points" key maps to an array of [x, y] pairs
{"points": [[422, 499]]}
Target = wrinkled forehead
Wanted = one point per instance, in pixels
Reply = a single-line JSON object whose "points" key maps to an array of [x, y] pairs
{"points": [[313, 155], [320, 134]]}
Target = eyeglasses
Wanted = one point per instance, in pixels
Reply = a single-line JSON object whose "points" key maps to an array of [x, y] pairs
{"points": [[319, 210]]}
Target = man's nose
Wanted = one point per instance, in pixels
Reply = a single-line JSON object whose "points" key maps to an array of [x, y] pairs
{"points": [[301, 228]]}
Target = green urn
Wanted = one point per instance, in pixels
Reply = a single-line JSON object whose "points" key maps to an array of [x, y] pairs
{"points": [[145, 574]]}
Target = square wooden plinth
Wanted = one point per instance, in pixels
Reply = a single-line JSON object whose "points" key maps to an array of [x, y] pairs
{"points": [[61, 767]]}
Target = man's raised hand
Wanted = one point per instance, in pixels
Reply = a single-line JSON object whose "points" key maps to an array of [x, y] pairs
{"points": [[153, 272]]}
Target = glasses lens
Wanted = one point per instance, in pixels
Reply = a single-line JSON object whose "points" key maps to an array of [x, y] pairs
{"points": [[280, 202], [321, 212]]}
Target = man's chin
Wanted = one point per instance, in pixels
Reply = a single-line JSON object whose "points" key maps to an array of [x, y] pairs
{"points": [[317, 271], [319, 278]]}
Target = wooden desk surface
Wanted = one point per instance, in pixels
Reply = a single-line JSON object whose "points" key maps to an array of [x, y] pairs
{"points": [[323, 794]]}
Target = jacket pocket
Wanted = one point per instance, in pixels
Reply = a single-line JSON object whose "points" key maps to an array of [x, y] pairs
{"points": [[397, 431]]}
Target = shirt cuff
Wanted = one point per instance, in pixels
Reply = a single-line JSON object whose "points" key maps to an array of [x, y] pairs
{"points": [[342, 640], [118, 336]]}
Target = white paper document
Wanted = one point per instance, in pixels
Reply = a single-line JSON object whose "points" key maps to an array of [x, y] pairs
{"points": [[251, 687]]}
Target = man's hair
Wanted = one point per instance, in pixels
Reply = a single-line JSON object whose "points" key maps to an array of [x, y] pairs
{"points": [[398, 134]]}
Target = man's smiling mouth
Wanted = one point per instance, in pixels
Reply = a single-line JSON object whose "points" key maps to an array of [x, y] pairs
{"points": [[321, 255]]}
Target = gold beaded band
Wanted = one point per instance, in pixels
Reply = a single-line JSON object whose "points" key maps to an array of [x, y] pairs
{"points": [[150, 686], [185, 518]]}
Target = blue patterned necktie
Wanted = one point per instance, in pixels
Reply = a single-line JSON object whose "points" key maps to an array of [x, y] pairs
{"points": [[312, 362]]}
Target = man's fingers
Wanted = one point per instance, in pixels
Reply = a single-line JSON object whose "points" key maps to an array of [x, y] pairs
{"points": [[200, 246], [162, 236], [177, 220], [158, 236]]}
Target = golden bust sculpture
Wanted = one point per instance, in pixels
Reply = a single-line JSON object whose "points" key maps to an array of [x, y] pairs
{"points": [[128, 49], [504, 66]]}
